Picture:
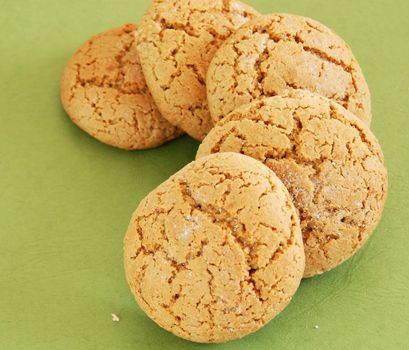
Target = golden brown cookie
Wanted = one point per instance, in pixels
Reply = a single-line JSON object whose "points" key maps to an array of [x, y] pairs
{"points": [[104, 92], [176, 41], [215, 252], [329, 160], [278, 52]]}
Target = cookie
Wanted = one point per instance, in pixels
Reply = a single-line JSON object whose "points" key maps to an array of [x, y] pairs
{"points": [[328, 159], [176, 41], [279, 52], [104, 92], [215, 252]]}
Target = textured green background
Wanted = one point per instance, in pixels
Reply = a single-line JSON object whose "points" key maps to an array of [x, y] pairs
{"points": [[65, 199]]}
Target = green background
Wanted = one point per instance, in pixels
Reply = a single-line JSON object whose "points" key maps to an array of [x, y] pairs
{"points": [[65, 199]]}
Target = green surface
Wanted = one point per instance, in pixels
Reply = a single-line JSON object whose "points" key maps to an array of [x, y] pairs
{"points": [[65, 199]]}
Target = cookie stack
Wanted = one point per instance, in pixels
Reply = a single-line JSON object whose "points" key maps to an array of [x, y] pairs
{"points": [[289, 180]]}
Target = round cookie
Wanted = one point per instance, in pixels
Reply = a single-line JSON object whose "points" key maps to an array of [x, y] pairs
{"points": [[176, 42], [104, 92], [329, 160], [215, 252], [279, 52]]}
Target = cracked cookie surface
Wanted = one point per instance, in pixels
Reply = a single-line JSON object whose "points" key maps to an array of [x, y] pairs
{"points": [[176, 41], [215, 252], [104, 92], [328, 159], [279, 52]]}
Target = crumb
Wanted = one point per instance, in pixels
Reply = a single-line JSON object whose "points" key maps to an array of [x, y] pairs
{"points": [[316, 326], [186, 232], [115, 318], [235, 224]]}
